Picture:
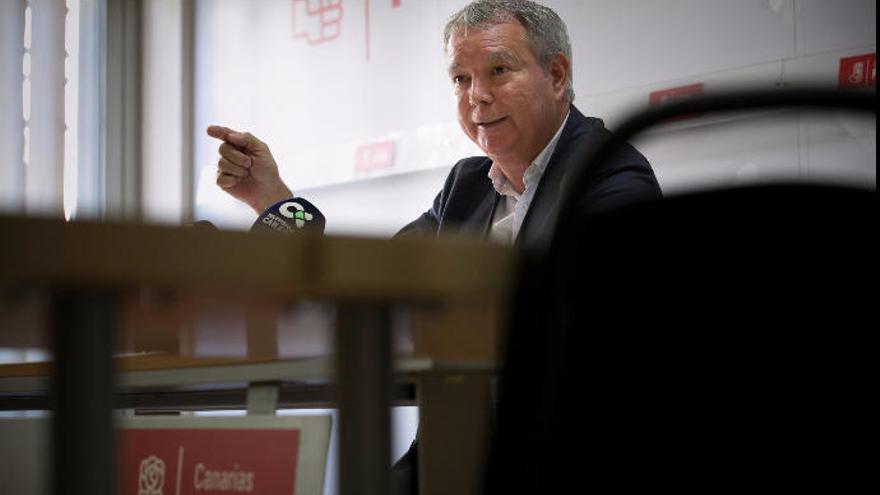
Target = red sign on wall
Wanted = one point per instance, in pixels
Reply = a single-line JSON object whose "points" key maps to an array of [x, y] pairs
{"points": [[374, 156], [207, 461], [858, 72], [662, 96]]}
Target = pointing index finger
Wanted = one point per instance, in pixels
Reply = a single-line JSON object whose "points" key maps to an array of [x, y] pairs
{"points": [[245, 141], [218, 131]]}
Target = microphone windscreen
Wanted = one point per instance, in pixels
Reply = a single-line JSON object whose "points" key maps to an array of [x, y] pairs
{"points": [[289, 216]]}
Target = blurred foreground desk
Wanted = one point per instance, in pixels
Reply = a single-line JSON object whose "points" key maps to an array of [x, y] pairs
{"points": [[404, 314]]}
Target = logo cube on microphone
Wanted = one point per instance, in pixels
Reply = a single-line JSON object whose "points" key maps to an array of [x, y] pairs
{"points": [[300, 216], [289, 216]]}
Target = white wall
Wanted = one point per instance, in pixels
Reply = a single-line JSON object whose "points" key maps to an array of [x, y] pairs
{"points": [[380, 206], [382, 79]]}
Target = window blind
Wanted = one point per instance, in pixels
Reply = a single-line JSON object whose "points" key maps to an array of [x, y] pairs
{"points": [[43, 107], [12, 19], [39, 94]]}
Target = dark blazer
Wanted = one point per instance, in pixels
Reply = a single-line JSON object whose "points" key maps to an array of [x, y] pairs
{"points": [[468, 200], [467, 204]]}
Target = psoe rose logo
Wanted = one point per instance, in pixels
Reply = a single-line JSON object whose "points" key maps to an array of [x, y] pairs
{"points": [[152, 476]]}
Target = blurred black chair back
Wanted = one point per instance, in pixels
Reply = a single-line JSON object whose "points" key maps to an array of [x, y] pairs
{"points": [[706, 341]]}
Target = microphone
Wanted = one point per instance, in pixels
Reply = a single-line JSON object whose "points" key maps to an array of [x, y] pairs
{"points": [[289, 216], [202, 225]]}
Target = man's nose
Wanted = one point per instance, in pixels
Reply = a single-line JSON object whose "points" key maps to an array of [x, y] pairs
{"points": [[480, 92]]}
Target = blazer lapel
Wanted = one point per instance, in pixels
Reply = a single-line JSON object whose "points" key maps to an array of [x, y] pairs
{"points": [[480, 221], [542, 212]]}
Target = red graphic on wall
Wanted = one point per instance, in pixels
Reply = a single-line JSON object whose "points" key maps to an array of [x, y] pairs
{"points": [[664, 96], [672, 94], [207, 461], [374, 156], [394, 4], [317, 21], [858, 72], [320, 21]]}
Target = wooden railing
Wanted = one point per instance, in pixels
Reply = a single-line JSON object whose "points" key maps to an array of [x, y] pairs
{"points": [[420, 311]]}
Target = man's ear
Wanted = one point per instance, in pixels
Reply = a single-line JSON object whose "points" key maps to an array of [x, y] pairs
{"points": [[560, 73]]}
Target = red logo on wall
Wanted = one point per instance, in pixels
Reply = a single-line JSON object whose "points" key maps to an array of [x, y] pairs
{"points": [[320, 21], [204, 461], [317, 21], [858, 72], [374, 156]]}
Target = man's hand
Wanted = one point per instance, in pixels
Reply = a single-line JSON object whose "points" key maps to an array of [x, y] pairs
{"points": [[246, 169]]}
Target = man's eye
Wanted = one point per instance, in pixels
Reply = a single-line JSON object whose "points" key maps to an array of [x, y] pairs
{"points": [[458, 79], [499, 70]]}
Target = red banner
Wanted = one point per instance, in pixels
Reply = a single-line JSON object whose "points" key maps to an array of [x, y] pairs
{"points": [[858, 72], [207, 461]]}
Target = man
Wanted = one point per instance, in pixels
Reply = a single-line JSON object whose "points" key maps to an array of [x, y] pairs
{"points": [[509, 64], [510, 67]]}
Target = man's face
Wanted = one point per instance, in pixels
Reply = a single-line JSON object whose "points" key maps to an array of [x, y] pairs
{"points": [[508, 104]]}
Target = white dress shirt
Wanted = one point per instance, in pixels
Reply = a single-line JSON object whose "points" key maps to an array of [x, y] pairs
{"points": [[513, 206]]}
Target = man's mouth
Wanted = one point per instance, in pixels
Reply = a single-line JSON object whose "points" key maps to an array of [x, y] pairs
{"points": [[490, 123]]}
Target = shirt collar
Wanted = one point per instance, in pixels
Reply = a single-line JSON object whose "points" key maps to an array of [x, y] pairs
{"points": [[534, 171]]}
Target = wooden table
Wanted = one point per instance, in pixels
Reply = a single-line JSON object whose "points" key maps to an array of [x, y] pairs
{"points": [[396, 314]]}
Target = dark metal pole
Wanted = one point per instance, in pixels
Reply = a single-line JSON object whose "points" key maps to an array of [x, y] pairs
{"points": [[83, 461], [363, 374]]}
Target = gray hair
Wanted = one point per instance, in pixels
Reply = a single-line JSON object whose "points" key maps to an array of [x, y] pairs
{"points": [[546, 32]]}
